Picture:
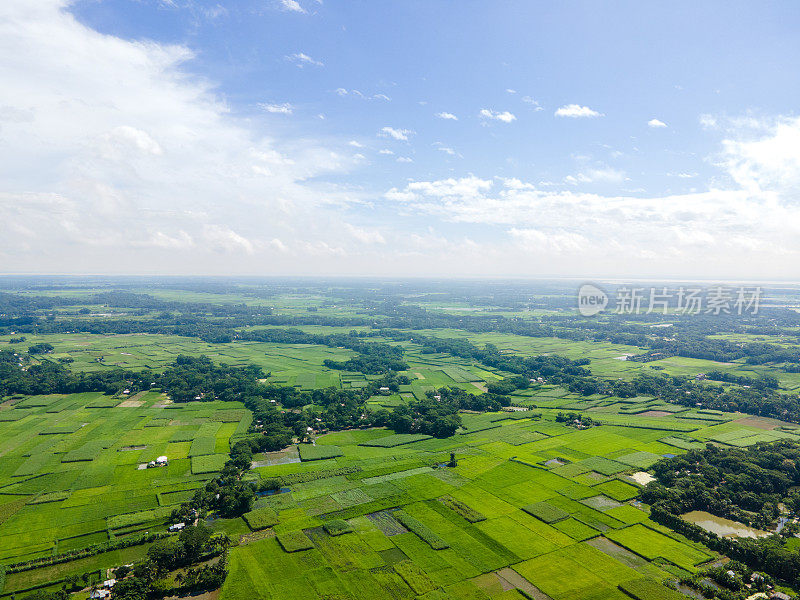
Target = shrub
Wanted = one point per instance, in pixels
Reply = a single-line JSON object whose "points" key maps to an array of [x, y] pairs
{"points": [[294, 541], [473, 516], [545, 512], [337, 527], [261, 518], [421, 530]]}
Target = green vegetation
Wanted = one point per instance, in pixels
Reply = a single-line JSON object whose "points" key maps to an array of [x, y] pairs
{"points": [[261, 518], [546, 423], [546, 512], [294, 541], [308, 452]]}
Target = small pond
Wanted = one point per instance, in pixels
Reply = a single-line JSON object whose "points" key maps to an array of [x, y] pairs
{"points": [[272, 492], [722, 527]]}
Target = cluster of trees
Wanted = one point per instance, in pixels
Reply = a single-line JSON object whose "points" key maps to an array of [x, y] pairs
{"points": [[731, 581], [438, 413], [429, 416], [227, 494], [576, 420], [40, 348], [765, 381], [747, 485], [194, 544], [372, 359]]}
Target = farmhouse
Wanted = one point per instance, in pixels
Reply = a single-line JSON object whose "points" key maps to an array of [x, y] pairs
{"points": [[161, 461]]}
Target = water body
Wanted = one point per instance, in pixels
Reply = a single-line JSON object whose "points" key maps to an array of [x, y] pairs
{"points": [[263, 493], [722, 527]]}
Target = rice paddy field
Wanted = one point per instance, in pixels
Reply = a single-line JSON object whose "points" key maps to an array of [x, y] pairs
{"points": [[73, 472], [534, 508]]}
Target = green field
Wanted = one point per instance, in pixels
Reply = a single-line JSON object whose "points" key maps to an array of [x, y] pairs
{"points": [[535, 508]]}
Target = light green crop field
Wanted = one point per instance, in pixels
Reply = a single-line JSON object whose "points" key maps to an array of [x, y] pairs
{"points": [[567, 529], [70, 474], [534, 508]]}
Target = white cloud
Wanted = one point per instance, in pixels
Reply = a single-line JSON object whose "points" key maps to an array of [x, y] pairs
{"points": [[739, 232], [224, 239], [301, 60], [536, 106], [385, 151], [576, 111], [505, 116], [405, 159], [602, 175], [364, 235], [283, 109], [510, 91], [355, 144], [397, 134], [292, 6], [447, 150], [124, 136], [359, 94], [656, 124], [770, 161], [447, 116], [97, 169]]}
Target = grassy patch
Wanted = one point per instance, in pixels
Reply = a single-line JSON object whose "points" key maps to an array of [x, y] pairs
{"points": [[546, 512], [294, 541], [261, 518], [309, 452]]}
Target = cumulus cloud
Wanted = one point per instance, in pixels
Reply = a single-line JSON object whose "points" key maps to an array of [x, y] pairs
{"points": [[766, 157], [283, 109], [576, 111], [734, 229], [302, 59], [292, 6], [656, 124], [447, 116], [505, 116], [396, 134], [151, 176]]}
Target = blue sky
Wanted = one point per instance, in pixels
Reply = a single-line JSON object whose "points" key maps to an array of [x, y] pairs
{"points": [[579, 139]]}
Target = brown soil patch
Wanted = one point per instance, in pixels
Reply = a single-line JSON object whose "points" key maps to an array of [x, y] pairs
{"points": [[130, 404], [512, 579], [249, 538], [653, 413], [762, 422]]}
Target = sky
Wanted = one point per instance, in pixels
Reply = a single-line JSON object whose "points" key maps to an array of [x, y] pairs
{"points": [[588, 139]]}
